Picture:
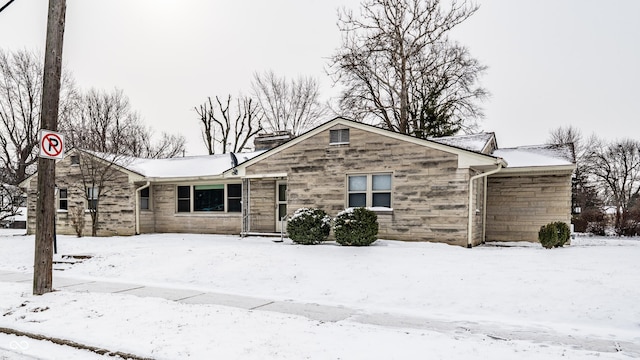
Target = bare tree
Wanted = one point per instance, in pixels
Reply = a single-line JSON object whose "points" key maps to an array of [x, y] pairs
{"points": [[108, 133], [616, 169], [587, 206], [20, 103], [288, 105], [400, 70], [105, 122], [568, 135], [226, 129], [168, 146], [11, 201], [98, 173]]}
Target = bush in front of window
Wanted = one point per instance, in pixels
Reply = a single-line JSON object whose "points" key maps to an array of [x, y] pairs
{"points": [[554, 234], [356, 227], [309, 226]]}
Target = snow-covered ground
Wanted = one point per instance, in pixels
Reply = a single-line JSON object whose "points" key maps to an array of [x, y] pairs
{"points": [[587, 292]]}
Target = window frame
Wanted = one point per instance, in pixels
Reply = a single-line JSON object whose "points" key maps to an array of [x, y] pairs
{"points": [[234, 198], [226, 199], [147, 197], [183, 198], [369, 191], [340, 138], [64, 198], [92, 197]]}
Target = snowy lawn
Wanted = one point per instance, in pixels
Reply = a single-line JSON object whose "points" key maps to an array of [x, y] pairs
{"points": [[587, 290]]}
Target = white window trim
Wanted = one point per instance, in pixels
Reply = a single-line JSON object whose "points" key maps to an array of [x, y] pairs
{"points": [[149, 205], [192, 199], [62, 198], [340, 142], [369, 191], [95, 190]]}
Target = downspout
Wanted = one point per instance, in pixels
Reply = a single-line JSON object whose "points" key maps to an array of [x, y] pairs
{"points": [[138, 206], [471, 180]]}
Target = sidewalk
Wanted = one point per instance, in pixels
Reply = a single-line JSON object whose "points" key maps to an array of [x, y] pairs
{"points": [[327, 313]]}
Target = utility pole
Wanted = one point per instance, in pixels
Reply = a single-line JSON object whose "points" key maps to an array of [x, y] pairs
{"points": [[45, 208]]}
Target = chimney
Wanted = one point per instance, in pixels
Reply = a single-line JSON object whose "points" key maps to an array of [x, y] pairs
{"points": [[269, 141]]}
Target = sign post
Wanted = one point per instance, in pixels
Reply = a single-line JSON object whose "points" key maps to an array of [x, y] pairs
{"points": [[51, 147]]}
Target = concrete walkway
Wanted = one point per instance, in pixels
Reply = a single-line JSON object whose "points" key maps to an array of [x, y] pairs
{"points": [[327, 313]]}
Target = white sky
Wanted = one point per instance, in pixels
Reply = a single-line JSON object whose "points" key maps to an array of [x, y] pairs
{"points": [[551, 62]]}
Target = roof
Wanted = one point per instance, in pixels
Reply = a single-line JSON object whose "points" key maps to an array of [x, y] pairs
{"points": [[473, 142], [467, 156], [188, 166], [537, 156]]}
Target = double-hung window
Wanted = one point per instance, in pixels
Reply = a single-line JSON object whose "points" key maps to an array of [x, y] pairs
{"points": [[370, 190], [144, 199], [92, 198], [184, 198], [234, 197], [63, 201], [209, 198]]}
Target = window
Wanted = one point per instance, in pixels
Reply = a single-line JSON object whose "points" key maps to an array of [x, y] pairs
{"points": [[210, 198], [340, 136], [184, 198], [63, 201], [369, 190], [358, 191], [144, 199], [381, 190], [234, 197], [75, 160], [92, 198]]}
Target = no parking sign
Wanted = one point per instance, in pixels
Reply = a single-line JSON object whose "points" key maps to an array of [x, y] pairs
{"points": [[51, 144]]}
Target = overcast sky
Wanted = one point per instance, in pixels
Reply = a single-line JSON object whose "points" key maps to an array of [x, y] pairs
{"points": [[551, 62]]}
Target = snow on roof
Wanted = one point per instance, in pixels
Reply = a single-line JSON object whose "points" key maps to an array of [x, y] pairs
{"points": [[536, 155], [473, 142], [188, 166]]}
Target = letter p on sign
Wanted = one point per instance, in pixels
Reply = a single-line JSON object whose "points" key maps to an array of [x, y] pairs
{"points": [[51, 144]]}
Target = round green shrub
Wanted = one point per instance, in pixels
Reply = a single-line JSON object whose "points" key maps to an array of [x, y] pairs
{"points": [[554, 234], [356, 227], [309, 226]]}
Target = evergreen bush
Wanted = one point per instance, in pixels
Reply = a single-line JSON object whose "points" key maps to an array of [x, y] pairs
{"points": [[554, 234], [356, 227], [309, 226]]}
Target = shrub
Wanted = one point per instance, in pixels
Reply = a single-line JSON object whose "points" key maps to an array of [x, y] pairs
{"points": [[591, 220], [554, 234], [77, 219], [309, 226], [356, 227]]}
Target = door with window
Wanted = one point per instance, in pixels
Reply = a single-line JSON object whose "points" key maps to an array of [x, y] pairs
{"points": [[281, 205]]}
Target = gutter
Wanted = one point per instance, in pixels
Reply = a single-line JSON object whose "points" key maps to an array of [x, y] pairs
{"points": [[138, 206], [484, 205]]}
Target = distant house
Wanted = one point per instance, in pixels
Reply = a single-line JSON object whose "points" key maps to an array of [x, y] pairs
{"points": [[460, 190]]}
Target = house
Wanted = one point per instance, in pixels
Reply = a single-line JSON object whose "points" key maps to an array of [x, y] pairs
{"points": [[460, 190]]}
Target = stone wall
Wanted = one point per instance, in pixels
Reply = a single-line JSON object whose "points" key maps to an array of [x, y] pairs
{"points": [[168, 220], [116, 206], [518, 206], [429, 192]]}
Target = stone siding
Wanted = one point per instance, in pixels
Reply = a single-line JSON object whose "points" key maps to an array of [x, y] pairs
{"points": [[116, 206], [518, 206], [168, 220], [429, 192]]}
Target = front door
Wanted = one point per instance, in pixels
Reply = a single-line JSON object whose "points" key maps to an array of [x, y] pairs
{"points": [[281, 204]]}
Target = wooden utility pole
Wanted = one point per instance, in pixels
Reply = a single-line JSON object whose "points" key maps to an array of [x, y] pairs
{"points": [[45, 208]]}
